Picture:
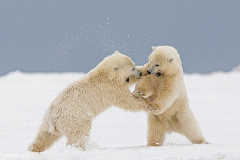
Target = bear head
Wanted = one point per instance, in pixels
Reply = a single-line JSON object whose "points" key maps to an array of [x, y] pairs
{"points": [[119, 68], [164, 60]]}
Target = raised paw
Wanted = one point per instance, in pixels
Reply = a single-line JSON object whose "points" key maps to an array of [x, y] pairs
{"points": [[154, 108], [139, 94]]}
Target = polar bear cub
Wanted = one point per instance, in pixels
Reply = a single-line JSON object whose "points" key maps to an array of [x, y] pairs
{"points": [[73, 110], [169, 110]]}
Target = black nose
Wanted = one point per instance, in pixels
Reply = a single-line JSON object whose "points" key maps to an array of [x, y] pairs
{"points": [[158, 74], [140, 74], [148, 72]]}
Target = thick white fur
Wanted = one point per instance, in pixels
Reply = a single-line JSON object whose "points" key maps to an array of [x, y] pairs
{"points": [[73, 110], [169, 110]]}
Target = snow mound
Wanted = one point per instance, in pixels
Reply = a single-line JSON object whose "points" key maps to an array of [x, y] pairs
{"points": [[214, 99]]}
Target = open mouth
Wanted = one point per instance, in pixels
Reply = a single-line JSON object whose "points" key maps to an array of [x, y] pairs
{"points": [[158, 74]]}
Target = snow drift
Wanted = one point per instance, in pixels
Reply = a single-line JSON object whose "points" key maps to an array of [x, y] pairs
{"points": [[214, 99]]}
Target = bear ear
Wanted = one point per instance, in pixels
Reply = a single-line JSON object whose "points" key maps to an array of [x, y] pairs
{"points": [[116, 52], [154, 47]]}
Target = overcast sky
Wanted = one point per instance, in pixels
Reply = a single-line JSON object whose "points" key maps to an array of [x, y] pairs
{"points": [[74, 36]]}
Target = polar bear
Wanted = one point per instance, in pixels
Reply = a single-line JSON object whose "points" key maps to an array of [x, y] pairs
{"points": [[169, 110], [73, 110]]}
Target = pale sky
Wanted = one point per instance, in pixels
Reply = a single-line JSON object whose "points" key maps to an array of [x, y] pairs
{"points": [[74, 36]]}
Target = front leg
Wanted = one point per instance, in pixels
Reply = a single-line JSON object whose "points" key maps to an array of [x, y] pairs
{"points": [[155, 108], [165, 100], [160, 104], [134, 104], [125, 100]]}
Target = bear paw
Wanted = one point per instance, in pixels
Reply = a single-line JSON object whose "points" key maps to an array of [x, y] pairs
{"points": [[154, 108], [35, 148], [139, 94]]}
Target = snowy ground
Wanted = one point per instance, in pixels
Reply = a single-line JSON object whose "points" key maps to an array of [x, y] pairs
{"points": [[214, 98]]}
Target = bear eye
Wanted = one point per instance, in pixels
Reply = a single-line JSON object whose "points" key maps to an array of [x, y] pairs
{"points": [[157, 65], [115, 68], [133, 69]]}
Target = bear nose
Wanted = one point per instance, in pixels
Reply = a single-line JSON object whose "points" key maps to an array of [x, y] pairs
{"points": [[140, 74], [148, 72]]}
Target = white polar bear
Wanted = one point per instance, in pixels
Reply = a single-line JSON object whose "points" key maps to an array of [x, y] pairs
{"points": [[73, 110], [170, 110]]}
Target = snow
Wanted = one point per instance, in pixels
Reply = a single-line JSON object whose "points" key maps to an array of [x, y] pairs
{"points": [[118, 134]]}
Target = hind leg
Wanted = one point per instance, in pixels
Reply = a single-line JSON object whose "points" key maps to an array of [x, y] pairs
{"points": [[77, 140], [189, 127], [43, 141], [156, 132], [79, 135]]}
